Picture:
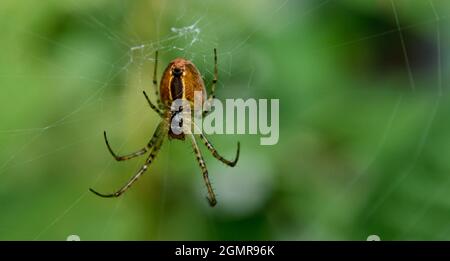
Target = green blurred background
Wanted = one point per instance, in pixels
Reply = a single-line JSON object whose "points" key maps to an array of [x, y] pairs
{"points": [[364, 129]]}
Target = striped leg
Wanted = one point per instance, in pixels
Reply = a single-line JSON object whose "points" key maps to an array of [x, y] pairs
{"points": [[155, 83], [213, 85], [152, 105], [216, 154], [141, 171], [140, 152], [201, 162]]}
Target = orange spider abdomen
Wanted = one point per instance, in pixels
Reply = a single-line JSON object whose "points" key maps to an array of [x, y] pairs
{"points": [[180, 80]]}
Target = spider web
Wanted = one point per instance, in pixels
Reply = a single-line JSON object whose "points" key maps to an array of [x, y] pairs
{"points": [[189, 36], [114, 98]]}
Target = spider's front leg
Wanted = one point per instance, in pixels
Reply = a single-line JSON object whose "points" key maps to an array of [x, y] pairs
{"points": [[156, 143], [217, 155], [214, 152], [139, 152], [141, 171], [201, 162]]}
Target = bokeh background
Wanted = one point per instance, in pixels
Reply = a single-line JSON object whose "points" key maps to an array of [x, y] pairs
{"points": [[364, 130]]}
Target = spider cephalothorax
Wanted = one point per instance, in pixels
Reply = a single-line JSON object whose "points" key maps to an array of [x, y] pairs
{"points": [[181, 80]]}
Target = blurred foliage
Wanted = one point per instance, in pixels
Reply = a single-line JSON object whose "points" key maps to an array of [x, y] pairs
{"points": [[363, 120]]}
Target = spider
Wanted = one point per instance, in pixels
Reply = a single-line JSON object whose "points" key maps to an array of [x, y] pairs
{"points": [[180, 80]]}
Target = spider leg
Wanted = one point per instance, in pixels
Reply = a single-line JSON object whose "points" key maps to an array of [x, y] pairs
{"points": [[216, 154], [139, 152], [152, 105], [201, 162], [141, 171], [155, 83], [213, 85]]}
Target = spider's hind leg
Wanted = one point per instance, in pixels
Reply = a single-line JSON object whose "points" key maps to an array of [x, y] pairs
{"points": [[155, 83], [213, 86], [156, 109]]}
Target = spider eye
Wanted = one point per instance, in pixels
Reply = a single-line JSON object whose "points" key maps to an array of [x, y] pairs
{"points": [[176, 72]]}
